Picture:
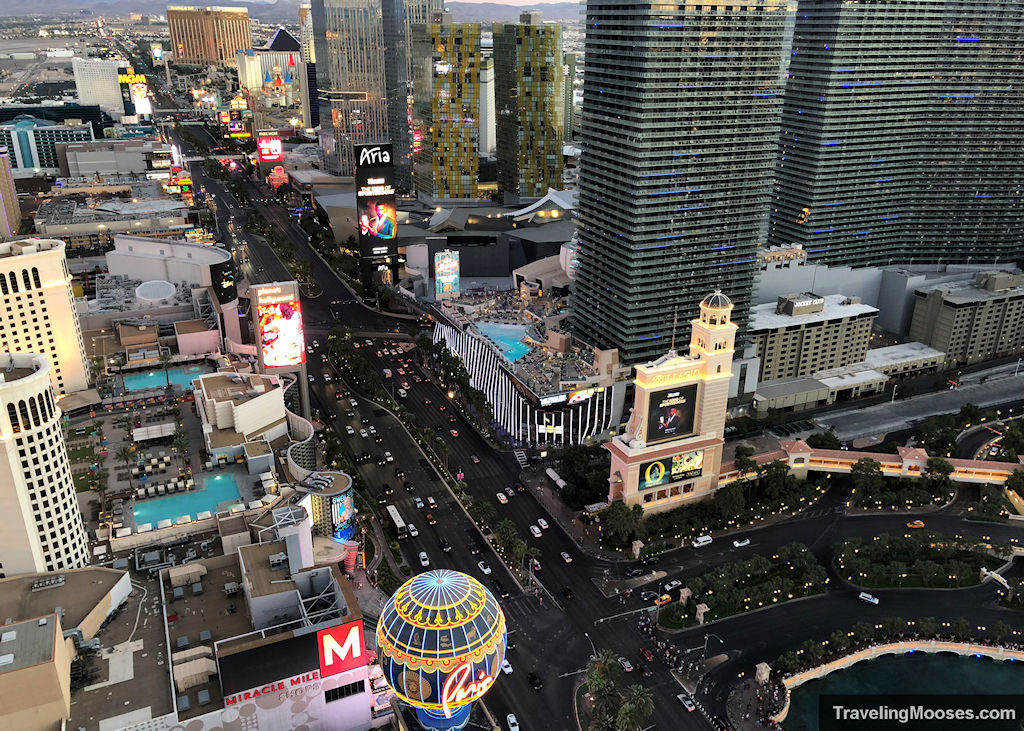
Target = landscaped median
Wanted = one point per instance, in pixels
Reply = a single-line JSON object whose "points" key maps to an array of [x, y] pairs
{"points": [[921, 559], [744, 586]]}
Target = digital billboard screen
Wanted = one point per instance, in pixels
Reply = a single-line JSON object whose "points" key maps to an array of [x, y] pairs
{"points": [[446, 274], [670, 413], [375, 201], [342, 516], [678, 467], [268, 147], [280, 327], [223, 278]]}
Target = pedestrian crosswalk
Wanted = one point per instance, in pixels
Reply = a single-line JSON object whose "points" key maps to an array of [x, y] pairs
{"points": [[524, 606], [521, 458]]}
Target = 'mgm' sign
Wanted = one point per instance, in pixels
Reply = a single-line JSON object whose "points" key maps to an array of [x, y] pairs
{"points": [[341, 648]]}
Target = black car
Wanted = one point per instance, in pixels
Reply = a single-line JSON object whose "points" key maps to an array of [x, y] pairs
{"points": [[382, 499], [473, 548], [399, 472], [643, 670], [510, 645], [378, 439], [445, 545], [535, 682], [407, 485], [568, 593], [499, 589], [633, 573], [388, 489], [381, 460]]}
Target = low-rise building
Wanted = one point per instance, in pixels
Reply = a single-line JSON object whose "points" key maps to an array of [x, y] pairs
{"points": [[90, 222], [236, 408], [972, 321], [805, 333], [32, 143], [146, 158]]}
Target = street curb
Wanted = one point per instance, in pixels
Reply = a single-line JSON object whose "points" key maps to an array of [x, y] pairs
{"points": [[741, 614], [575, 708]]}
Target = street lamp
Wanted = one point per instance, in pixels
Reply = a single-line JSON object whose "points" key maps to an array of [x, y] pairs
{"points": [[1017, 369], [294, 122], [593, 649]]}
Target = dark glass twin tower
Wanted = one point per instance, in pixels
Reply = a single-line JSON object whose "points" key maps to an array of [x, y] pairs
{"points": [[898, 141]]}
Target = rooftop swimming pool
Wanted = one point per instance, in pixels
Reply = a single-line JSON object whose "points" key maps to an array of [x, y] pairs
{"points": [[508, 337], [155, 379], [217, 489]]}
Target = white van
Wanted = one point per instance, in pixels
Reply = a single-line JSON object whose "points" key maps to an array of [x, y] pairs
{"points": [[402, 392], [865, 597], [701, 541]]}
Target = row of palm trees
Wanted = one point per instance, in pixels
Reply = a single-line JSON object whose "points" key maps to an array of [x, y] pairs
{"points": [[612, 707]]}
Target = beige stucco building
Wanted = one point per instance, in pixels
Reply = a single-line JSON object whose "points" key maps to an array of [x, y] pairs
{"points": [[972, 321]]}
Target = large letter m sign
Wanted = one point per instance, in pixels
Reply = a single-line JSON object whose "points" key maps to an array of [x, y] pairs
{"points": [[341, 648]]}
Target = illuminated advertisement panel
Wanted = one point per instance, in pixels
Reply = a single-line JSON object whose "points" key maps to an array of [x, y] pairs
{"points": [[279, 322], [671, 469], [446, 274], [342, 516], [158, 51], [375, 207], [341, 648], [268, 146], [140, 98], [670, 413], [223, 277], [576, 397]]}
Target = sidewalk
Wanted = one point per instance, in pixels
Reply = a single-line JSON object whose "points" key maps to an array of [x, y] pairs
{"points": [[751, 704]]}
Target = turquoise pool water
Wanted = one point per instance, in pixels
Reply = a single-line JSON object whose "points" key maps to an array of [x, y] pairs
{"points": [[916, 672], [508, 337], [217, 489], [155, 379]]}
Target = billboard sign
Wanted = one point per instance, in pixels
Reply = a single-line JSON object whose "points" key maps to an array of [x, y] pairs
{"points": [[279, 323], [268, 146], [341, 648], [678, 467], [375, 207], [577, 397], [671, 413], [342, 516], [446, 274], [158, 51], [223, 276]]}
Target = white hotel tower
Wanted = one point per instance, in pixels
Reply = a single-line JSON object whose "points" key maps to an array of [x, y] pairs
{"points": [[37, 310], [43, 529]]}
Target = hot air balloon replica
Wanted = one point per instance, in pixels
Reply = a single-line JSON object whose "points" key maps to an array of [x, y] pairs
{"points": [[441, 641]]}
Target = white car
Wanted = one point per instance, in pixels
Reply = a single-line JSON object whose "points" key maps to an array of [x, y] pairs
{"points": [[501, 498], [327, 377], [741, 542], [626, 665], [535, 531], [363, 434], [412, 530], [674, 584], [372, 429], [388, 457], [424, 559], [506, 667], [534, 564], [484, 567], [353, 403], [865, 597], [566, 557], [418, 502], [350, 431], [512, 721], [542, 523]]}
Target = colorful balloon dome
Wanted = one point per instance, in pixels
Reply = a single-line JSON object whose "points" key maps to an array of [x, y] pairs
{"points": [[442, 640]]}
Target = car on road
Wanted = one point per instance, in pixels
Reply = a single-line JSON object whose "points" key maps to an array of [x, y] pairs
{"points": [[452, 419], [442, 407], [424, 559], [701, 541], [500, 589], [535, 682], [674, 584], [741, 542], [626, 665], [407, 485], [454, 432], [646, 654], [350, 413], [427, 402], [643, 670], [506, 667], [399, 472], [413, 531], [327, 377], [350, 431], [472, 548], [363, 434], [510, 492], [445, 545], [687, 702], [535, 531], [378, 439], [337, 395], [311, 378], [482, 565], [431, 520], [566, 557], [542, 523], [633, 573], [535, 564], [431, 502], [663, 600], [353, 403], [381, 461], [388, 490], [568, 593], [475, 459], [916, 524], [372, 429], [501, 498], [388, 457], [512, 721], [869, 598], [648, 596], [418, 503]]}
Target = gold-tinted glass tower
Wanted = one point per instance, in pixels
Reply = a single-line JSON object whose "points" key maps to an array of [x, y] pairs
{"points": [[446, 93], [529, 102], [209, 35]]}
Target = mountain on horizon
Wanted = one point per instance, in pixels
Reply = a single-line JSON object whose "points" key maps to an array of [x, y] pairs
{"points": [[287, 10]]}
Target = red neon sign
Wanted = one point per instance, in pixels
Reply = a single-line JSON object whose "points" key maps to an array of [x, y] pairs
{"points": [[341, 648], [269, 148]]}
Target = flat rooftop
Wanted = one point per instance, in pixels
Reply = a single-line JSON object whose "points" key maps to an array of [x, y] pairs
{"points": [[965, 293], [27, 643], [78, 595], [764, 317], [327, 483], [235, 387], [894, 354], [28, 246], [191, 326]]}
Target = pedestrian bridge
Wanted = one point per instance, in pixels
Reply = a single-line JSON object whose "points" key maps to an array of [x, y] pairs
{"points": [[966, 649]]}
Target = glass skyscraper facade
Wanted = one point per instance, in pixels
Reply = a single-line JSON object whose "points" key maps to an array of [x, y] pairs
{"points": [[679, 131], [901, 133], [349, 42], [528, 100]]}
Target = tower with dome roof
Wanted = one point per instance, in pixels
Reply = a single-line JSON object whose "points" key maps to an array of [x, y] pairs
{"points": [[671, 452]]}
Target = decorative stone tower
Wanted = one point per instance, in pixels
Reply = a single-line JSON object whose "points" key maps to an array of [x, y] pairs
{"points": [[672, 449]]}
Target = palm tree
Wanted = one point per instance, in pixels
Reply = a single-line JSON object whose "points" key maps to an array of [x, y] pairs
{"points": [[165, 363], [125, 455], [180, 443], [637, 706], [603, 663], [604, 700]]}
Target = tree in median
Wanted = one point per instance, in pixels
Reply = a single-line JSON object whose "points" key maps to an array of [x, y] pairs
{"points": [[937, 471], [637, 706], [867, 477]]}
